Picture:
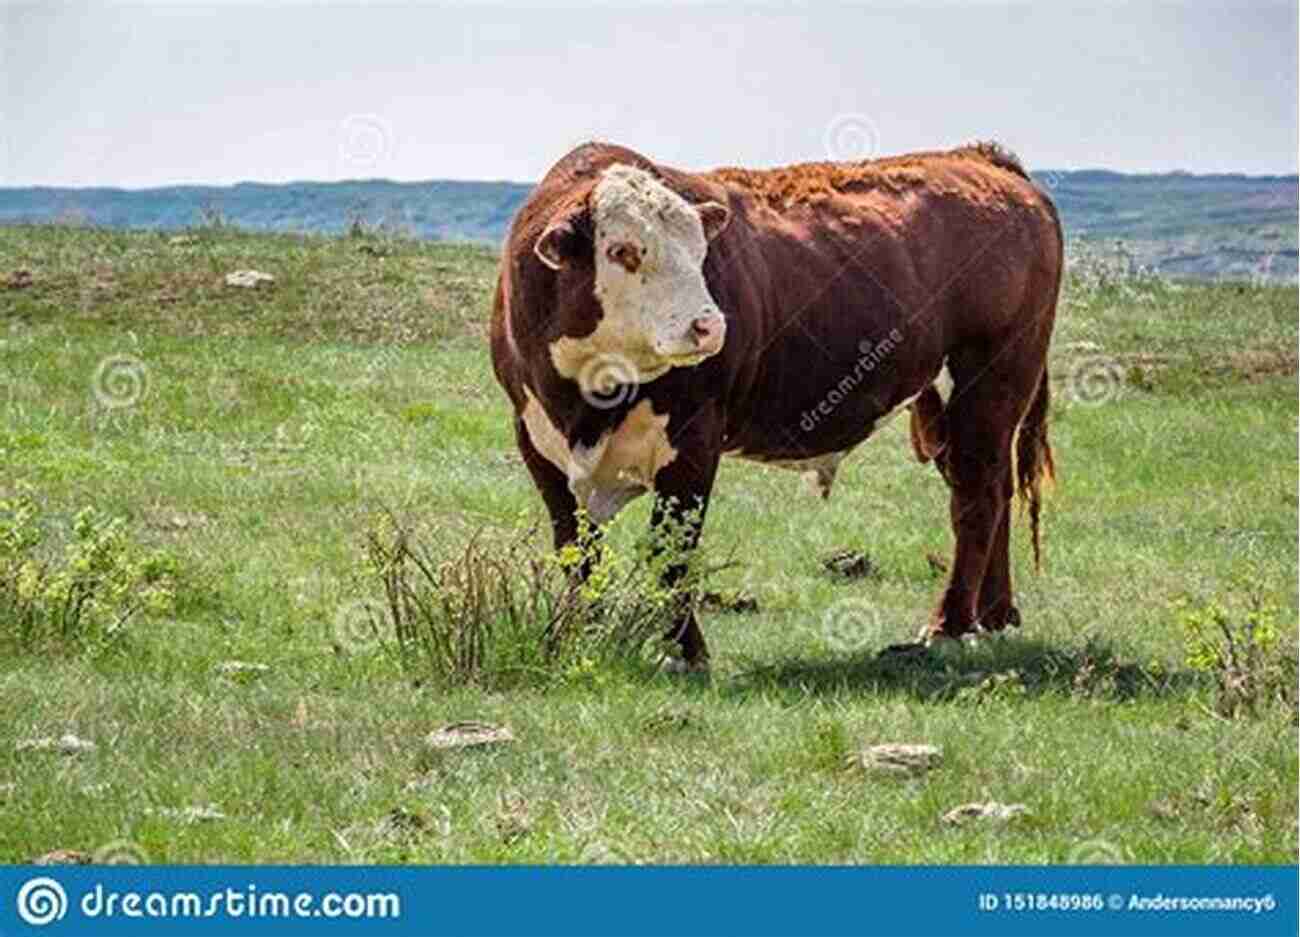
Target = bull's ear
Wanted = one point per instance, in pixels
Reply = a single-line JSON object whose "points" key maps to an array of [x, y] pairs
{"points": [[715, 217], [563, 238]]}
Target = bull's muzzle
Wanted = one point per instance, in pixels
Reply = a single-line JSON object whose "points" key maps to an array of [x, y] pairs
{"points": [[708, 332]]}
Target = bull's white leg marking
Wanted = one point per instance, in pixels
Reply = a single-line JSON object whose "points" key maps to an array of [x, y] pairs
{"points": [[543, 434], [647, 311], [620, 467]]}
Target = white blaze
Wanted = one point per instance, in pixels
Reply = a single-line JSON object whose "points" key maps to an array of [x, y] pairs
{"points": [[647, 312]]}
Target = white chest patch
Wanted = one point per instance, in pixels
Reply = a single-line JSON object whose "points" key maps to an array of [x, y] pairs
{"points": [[621, 466]]}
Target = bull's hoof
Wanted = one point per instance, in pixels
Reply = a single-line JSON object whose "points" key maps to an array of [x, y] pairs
{"points": [[938, 636], [906, 649], [1001, 620], [679, 665]]}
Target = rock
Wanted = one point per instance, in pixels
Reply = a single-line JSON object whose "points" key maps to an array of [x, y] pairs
{"points": [[850, 564], [249, 279], [20, 279], [241, 669], [900, 760], [740, 602], [199, 814], [986, 811], [468, 734], [67, 744], [62, 857], [679, 665]]}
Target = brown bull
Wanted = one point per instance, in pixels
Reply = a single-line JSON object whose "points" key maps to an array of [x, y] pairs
{"points": [[649, 321]]}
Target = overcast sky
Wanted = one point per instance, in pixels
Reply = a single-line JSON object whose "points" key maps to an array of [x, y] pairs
{"points": [[143, 95]]}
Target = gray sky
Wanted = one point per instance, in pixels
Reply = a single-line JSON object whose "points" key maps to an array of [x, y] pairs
{"points": [[142, 95]]}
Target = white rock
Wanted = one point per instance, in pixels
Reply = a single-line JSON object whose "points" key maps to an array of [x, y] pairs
{"points": [[249, 279], [189, 814], [986, 811], [67, 744], [467, 734], [235, 668], [899, 759]]}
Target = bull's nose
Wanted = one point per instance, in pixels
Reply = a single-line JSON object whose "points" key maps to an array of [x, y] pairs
{"points": [[708, 330]]}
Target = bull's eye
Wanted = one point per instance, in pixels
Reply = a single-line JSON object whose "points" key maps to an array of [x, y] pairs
{"points": [[625, 255]]}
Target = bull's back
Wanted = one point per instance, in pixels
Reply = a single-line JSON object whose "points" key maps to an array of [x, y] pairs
{"points": [[873, 273]]}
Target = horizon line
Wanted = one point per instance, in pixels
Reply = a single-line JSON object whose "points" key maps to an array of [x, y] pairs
{"points": [[1294, 175]]}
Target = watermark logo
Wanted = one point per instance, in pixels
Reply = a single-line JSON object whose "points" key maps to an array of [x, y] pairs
{"points": [[851, 137], [870, 355], [120, 381], [356, 625], [609, 380], [851, 625], [223, 391], [1096, 852], [1095, 380], [41, 901], [366, 142], [120, 852]]}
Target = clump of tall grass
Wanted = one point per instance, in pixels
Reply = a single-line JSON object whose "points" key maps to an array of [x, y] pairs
{"points": [[1094, 270], [500, 611], [1238, 641], [83, 595]]}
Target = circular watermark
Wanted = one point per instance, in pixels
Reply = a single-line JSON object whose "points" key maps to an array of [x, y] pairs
{"points": [[41, 901], [120, 381], [608, 380], [851, 137], [1096, 852], [120, 852], [1095, 380], [851, 625], [356, 624], [365, 142], [223, 391], [597, 853]]}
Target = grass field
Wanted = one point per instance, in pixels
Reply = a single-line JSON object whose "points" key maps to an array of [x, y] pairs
{"points": [[252, 434]]}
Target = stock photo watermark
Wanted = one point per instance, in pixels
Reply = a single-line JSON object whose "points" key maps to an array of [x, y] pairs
{"points": [[120, 382], [608, 381], [869, 358]]}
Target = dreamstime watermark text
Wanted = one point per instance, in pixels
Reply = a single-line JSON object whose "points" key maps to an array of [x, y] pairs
{"points": [[41, 901], [868, 360]]}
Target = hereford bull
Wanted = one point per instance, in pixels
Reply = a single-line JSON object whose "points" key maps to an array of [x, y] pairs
{"points": [[648, 321]]}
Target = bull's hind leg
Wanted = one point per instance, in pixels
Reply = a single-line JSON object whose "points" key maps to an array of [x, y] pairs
{"points": [[990, 394], [996, 609]]}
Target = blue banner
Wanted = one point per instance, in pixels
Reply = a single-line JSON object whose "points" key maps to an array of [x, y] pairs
{"points": [[571, 901]]}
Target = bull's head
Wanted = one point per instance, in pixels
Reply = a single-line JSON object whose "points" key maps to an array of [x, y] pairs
{"points": [[644, 246]]}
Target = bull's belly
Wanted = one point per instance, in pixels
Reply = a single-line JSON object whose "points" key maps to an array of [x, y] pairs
{"points": [[817, 462]]}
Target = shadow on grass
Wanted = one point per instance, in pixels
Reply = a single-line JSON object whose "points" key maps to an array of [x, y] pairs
{"points": [[1000, 668]]}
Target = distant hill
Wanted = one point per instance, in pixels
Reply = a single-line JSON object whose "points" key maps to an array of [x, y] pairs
{"points": [[1178, 223]]}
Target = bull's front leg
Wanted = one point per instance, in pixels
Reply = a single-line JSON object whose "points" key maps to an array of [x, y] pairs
{"points": [[681, 499], [561, 505]]}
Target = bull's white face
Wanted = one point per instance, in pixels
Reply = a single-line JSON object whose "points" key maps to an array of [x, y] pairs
{"points": [[649, 246]]}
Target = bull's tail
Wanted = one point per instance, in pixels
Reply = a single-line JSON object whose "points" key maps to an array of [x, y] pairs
{"points": [[1034, 461]]}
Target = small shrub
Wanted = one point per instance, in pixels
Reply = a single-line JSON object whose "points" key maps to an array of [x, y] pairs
{"points": [[1238, 642], [86, 595], [500, 612]]}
